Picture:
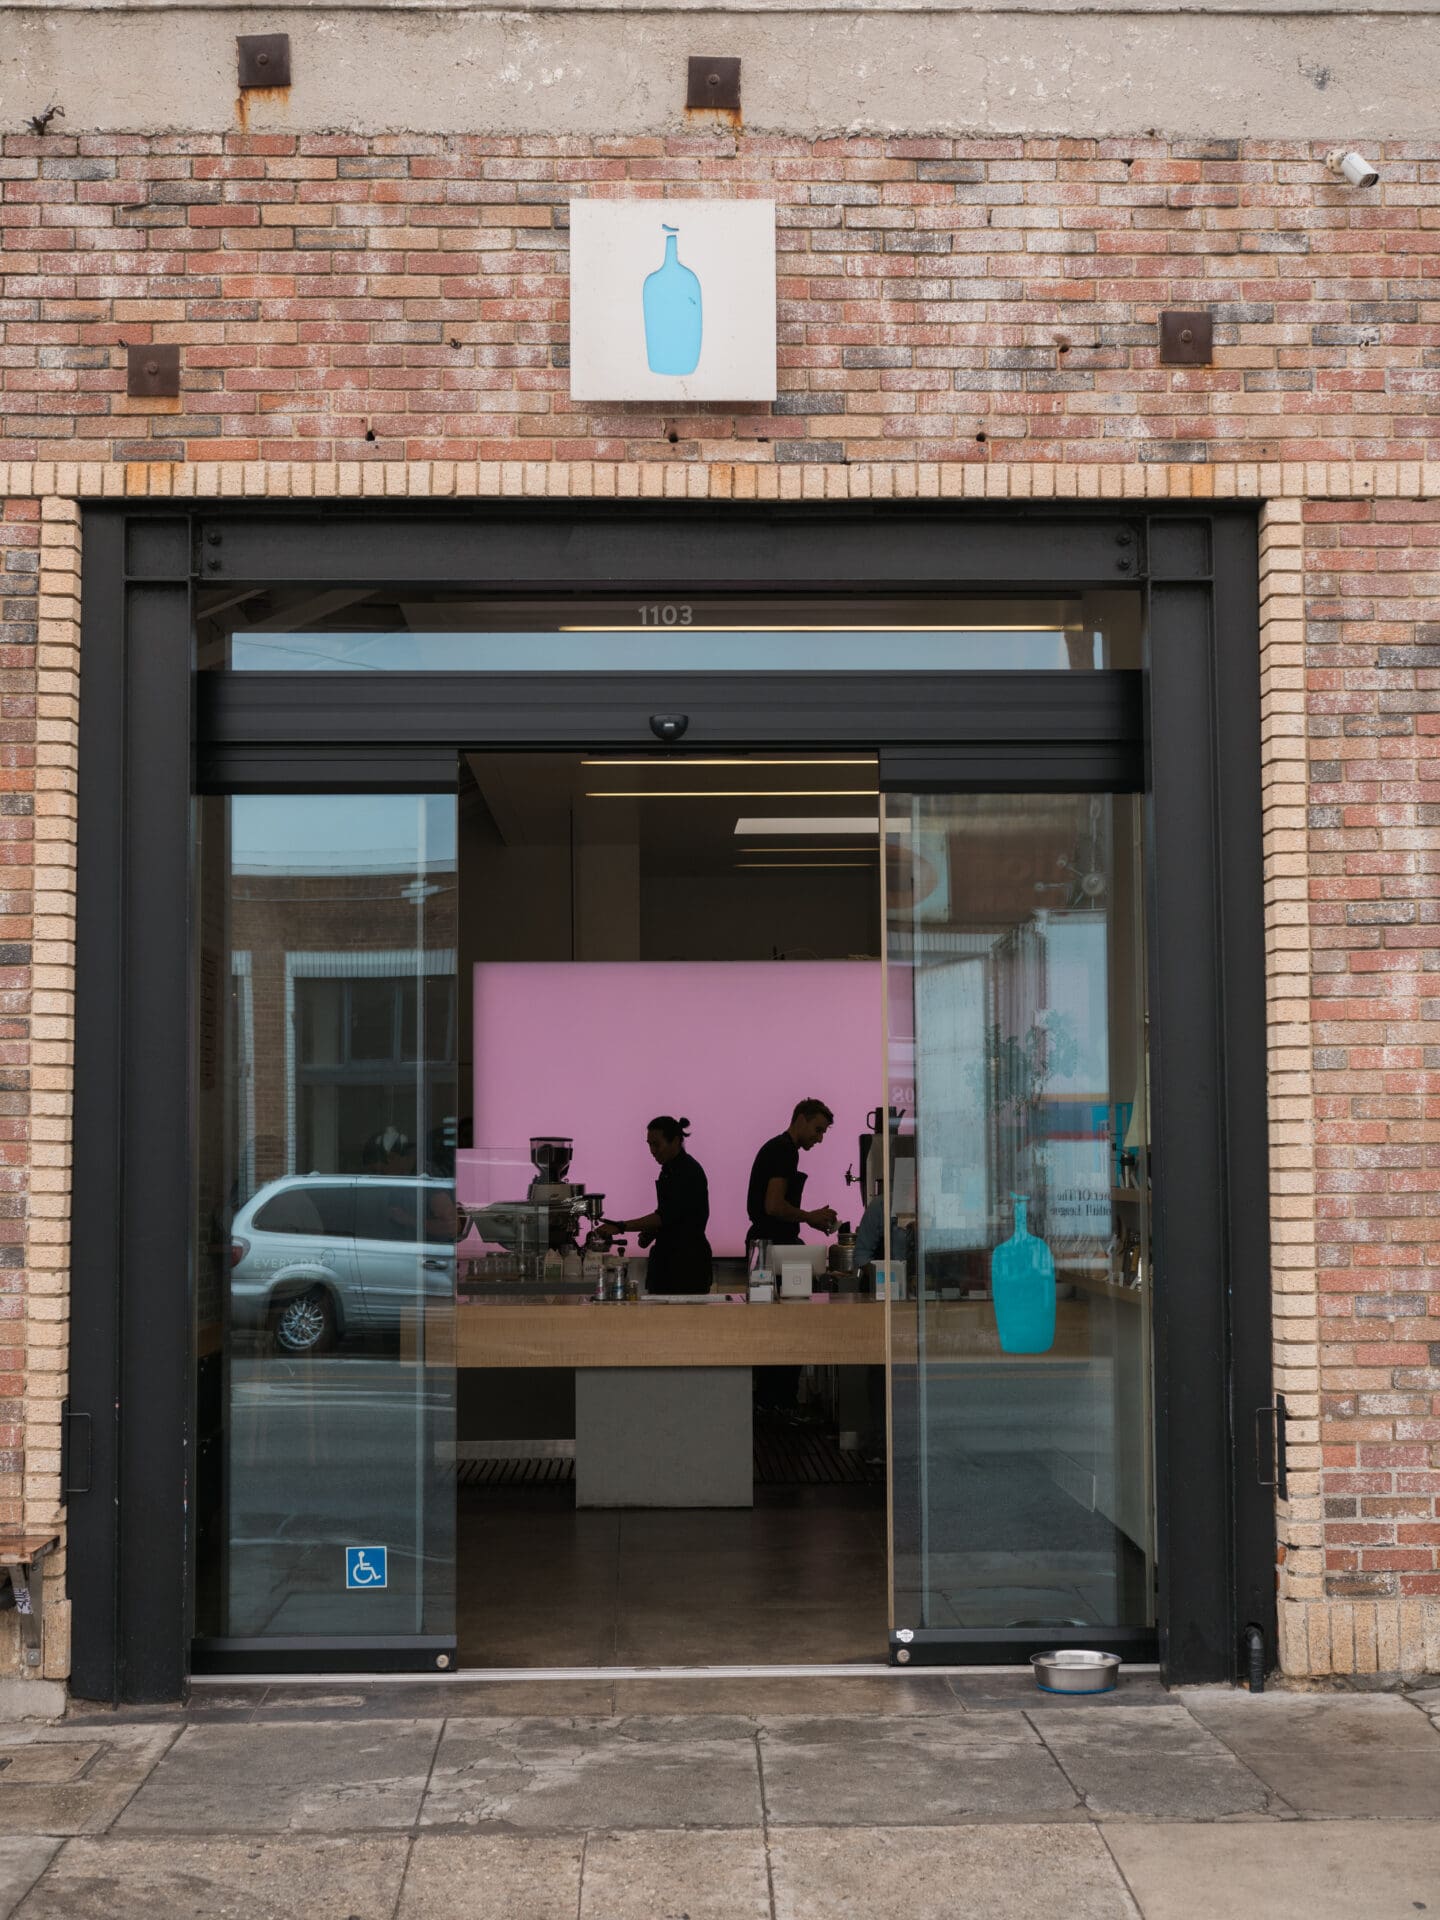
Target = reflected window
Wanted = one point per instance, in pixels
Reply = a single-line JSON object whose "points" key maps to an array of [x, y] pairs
{"points": [[311, 1209], [385, 1212], [375, 1053]]}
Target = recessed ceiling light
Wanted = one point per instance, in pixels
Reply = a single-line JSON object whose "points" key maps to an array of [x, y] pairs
{"points": [[800, 824], [739, 760]]}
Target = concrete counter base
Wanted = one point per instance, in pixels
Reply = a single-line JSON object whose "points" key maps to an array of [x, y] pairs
{"points": [[663, 1437]]}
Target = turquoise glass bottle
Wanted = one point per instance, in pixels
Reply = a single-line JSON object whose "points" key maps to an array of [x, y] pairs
{"points": [[1022, 1284], [674, 320]]}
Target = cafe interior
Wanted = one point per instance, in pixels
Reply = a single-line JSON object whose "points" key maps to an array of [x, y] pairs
{"points": [[646, 1476], [879, 1061]]}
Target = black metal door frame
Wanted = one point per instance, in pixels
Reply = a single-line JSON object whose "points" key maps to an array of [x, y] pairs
{"points": [[153, 733]]}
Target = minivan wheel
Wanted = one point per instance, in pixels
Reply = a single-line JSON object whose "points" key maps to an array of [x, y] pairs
{"points": [[305, 1323]]}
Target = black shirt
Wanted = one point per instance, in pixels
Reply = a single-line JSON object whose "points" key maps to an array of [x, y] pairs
{"points": [[777, 1159], [680, 1258], [682, 1196]]}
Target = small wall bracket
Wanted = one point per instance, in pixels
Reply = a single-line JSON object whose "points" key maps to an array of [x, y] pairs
{"points": [[713, 82], [264, 60], [1186, 339], [152, 373]]}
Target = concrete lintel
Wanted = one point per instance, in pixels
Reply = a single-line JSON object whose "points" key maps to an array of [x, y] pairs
{"points": [[588, 67]]}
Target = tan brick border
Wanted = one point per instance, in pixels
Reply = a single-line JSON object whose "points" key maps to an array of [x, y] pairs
{"points": [[52, 1037], [697, 480], [1285, 788], [1316, 1636]]}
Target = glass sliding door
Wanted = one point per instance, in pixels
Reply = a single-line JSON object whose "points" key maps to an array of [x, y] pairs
{"points": [[1020, 1281], [325, 1223]]}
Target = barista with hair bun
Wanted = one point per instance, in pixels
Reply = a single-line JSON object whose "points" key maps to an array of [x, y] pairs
{"points": [[680, 1256]]}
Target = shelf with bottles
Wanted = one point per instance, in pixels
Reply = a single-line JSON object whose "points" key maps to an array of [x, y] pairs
{"points": [[1127, 1258], [1132, 1180]]}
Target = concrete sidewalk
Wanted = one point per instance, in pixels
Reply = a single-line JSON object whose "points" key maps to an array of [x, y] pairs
{"points": [[727, 1800]]}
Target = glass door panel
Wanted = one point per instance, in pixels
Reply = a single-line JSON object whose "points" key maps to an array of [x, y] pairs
{"points": [[1021, 1423], [325, 1214]]}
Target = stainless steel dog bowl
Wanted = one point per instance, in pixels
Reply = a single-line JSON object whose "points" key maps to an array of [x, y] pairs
{"points": [[1075, 1670]]}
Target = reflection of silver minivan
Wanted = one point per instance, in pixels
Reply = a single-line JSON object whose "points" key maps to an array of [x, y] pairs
{"points": [[316, 1255]]}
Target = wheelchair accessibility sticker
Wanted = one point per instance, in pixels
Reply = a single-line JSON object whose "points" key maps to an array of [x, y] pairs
{"points": [[366, 1567]]}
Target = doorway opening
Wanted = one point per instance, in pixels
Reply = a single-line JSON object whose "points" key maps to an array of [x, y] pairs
{"points": [[512, 1090], [693, 940], [312, 951]]}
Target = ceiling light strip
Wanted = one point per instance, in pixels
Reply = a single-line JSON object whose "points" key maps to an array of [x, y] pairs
{"points": [[860, 824], [740, 760], [735, 793]]}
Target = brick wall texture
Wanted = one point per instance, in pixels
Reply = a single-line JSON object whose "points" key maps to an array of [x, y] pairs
{"points": [[956, 318], [1372, 582], [406, 299]]}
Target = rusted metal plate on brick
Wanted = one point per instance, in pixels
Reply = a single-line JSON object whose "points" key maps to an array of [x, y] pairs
{"points": [[1186, 339], [713, 82], [264, 59], [152, 373]]}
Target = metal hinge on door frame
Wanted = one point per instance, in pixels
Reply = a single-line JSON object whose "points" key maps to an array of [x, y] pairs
{"points": [[1280, 1475]]}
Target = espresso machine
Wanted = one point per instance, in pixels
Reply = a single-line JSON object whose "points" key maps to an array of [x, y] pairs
{"points": [[553, 1211]]}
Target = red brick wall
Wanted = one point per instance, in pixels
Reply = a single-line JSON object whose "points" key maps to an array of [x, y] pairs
{"points": [[981, 302], [939, 300], [1373, 636]]}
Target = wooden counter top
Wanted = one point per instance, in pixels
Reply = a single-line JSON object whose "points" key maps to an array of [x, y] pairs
{"points": [[845, 1333]]}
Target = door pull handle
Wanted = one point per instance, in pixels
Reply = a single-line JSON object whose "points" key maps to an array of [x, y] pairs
{"points": [[75, 1435], [1279, 1447]]}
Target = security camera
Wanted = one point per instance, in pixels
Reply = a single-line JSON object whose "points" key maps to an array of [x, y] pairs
{"points": [[1353, 167], [669, 726]]}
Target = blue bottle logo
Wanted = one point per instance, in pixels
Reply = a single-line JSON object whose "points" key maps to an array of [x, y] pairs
{"points": [[673, 318], [1022, 1284]]}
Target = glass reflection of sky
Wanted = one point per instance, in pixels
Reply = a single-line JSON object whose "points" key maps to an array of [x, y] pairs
{"points": [[342, 833], [643, 650]]}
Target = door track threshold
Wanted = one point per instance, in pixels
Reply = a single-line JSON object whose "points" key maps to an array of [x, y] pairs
{"points": [[473, 1676]]}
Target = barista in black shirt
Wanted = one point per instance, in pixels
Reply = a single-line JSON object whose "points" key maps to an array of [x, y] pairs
{"points": [[776, 1182], [680, 1259]]}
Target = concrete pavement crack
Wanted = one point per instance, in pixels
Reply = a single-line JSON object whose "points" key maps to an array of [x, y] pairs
{"points": [[1273, 1799], [148, 1774], [424, 1796], [1130, 1893], [404, 1874], [1081, 1800], [759, 1738]]}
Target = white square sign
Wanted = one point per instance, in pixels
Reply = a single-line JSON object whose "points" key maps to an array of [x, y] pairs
{"points": [[672, 300]]}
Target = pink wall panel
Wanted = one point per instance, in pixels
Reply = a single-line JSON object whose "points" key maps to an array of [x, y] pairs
{"points": [[594, 1049]]}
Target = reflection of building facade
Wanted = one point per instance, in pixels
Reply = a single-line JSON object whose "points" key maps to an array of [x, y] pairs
{"points": [[344, 1042]]}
